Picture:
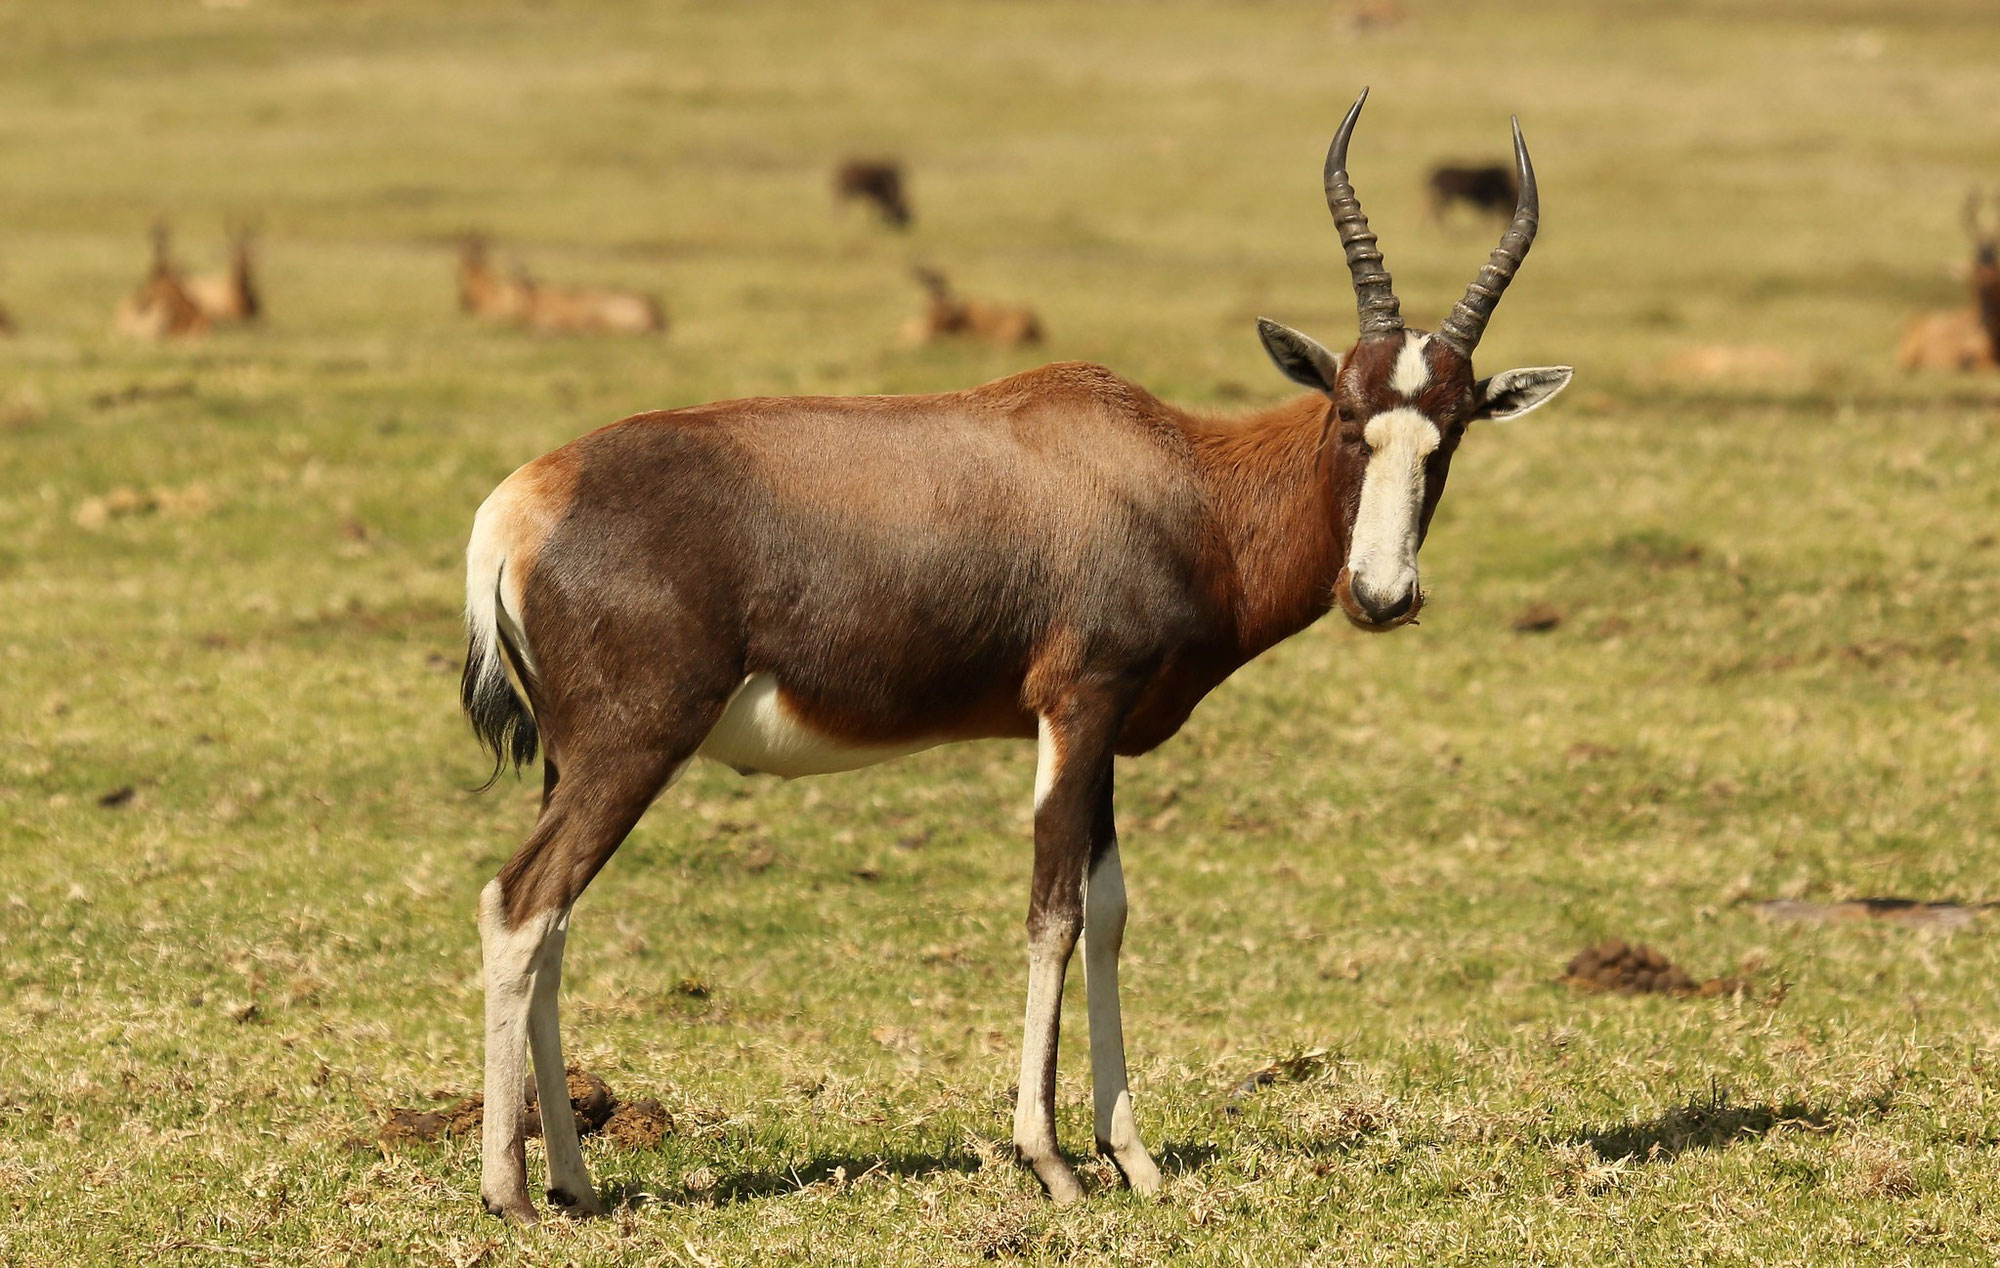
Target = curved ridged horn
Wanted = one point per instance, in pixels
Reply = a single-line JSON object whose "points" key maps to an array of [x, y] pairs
{"points": [[1469, 316], [1374, 293], [1973, 229]]}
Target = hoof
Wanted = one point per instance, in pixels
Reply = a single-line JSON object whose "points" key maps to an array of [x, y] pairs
{"points": [[1062, 1186], [1058, 1181], [1135, 1168], [584, 1207], [519, 1211]]}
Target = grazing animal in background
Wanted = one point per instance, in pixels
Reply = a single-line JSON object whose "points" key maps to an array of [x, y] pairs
{"points": [[1489, 188], [876, 181], [1961, 338], [161, 308], [950, 317], [229, 298], [805, 585]]}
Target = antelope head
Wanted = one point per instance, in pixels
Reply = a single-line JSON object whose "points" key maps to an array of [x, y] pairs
{"points": [[1402, 398]]}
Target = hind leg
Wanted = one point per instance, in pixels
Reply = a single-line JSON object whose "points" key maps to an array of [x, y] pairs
{"points": [[523, 921]]}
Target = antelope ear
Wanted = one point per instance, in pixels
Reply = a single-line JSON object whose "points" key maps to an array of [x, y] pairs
{"points": [[1512, 393], [1298, 358]]}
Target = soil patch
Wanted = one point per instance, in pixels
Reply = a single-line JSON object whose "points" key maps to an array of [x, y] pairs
{"points": [[1537, 618], [1638, 970], [640, 1124]]}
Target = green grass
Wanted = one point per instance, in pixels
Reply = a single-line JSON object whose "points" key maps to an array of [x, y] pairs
{"points": [[1366, 858]]}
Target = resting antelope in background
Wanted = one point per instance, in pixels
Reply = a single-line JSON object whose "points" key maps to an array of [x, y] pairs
{"points": [[948, 316], [229, 298], [1961, 338], [812, 584], [161, 308], [521, 301], [484, 294], [584, 310]]}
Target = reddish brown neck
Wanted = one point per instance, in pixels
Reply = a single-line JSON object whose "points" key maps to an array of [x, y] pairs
{"points": [[1274, 483]]}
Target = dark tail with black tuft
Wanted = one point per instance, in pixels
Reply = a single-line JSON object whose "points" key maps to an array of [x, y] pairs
{"points": [[500, 718]]}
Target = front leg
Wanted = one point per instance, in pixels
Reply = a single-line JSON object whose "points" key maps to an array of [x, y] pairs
{"points": [[1072, 775]]}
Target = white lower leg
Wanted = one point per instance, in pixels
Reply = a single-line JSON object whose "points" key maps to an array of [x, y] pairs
{"points": [[569, 1178], [1034, 1108], [1103, 936], [510, 957]]}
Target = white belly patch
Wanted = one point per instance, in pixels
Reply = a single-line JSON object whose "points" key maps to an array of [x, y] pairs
{"points": [[757, 734]]}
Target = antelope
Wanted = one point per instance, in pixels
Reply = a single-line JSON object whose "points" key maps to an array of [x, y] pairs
{"points": [[1961, 338], [1005, 325], [804, 585], [229, 298], [572, 310], [483, 293], [522, 301], [876, 181], [161, 308], [1484, 187]]}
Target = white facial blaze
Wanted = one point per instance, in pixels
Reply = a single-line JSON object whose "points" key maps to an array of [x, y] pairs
{"points": [[1383, 557], [1412, 373]]}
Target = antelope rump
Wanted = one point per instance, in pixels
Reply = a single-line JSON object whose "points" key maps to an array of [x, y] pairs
{"points": [[806, 585]]}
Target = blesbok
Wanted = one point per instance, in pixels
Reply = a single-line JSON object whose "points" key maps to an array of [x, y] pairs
{"points": [[483, 293], [1489, 188], [585, 310], [229, 298], [805, 585], [1961, 338], [948, 316], [875, 181], [520, 300], [161, 308]]}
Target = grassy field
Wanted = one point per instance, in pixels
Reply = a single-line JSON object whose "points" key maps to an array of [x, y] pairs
{"points": [[229, 574]]}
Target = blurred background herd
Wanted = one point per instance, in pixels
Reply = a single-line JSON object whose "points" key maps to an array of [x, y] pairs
{"points": [[647, 156]]}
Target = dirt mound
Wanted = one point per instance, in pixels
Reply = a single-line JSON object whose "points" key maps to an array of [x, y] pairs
{"points": [[590, 1099], [1638, 970], [639, 1124], [407, 1126], [1537, 618]]}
